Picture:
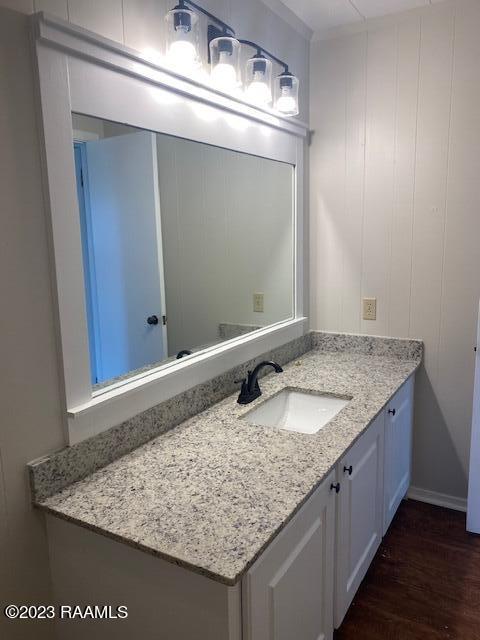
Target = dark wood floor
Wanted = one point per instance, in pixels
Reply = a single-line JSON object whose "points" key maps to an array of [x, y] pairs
{"points": [[424, 582]]}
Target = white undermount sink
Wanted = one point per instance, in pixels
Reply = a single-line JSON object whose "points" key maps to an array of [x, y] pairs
{"points": [[297, 411]]}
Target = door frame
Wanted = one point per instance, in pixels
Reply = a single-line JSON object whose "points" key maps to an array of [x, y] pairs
{"points": [[473, 503], [91, 300]]}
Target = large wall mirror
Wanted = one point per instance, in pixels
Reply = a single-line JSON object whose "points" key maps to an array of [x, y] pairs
{"points": [[184, 245]]}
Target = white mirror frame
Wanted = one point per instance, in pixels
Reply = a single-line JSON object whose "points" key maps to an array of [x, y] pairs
{"points": [[78, 71]]}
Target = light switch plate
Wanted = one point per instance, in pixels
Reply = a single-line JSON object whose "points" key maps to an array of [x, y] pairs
{"points": [[258, 302], [369, 308]]}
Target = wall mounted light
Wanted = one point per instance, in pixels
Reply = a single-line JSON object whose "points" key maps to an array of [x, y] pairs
{"points": [[286, 94], [225, 62], [224, 59], [182, 39], [259, 80]]}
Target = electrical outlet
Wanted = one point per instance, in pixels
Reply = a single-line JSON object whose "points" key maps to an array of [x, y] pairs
{"points": [[369, 308], [258, 302]]}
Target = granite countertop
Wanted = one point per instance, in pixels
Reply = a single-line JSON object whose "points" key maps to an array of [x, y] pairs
{"points": [[213, 492]]}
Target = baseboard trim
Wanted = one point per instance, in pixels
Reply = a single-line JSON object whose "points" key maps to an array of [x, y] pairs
{"points": [[438, 499]]}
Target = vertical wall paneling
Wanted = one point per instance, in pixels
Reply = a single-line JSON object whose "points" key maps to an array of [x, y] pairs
{"points": [[105, 17], [417, 228], [461, 270], [434, 105], [432, 159], [379, 171], [57, 8], [399, 285], [24, 6], [355, 104], [327, 176], [145, 26]]}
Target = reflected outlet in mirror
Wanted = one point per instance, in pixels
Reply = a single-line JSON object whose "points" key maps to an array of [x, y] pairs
{"points": [[298, 411]]}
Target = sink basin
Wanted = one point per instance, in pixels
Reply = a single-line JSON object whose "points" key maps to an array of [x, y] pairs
{"points": [[297, 411]]}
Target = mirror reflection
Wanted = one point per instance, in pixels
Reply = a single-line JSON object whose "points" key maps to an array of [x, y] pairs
{"points": [[185, 245]]}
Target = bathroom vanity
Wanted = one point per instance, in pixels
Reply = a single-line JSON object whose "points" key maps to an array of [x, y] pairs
{"points": [[257, 531]]}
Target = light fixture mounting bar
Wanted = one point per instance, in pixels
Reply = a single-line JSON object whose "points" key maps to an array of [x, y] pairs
{"points": [[227, 29], [264, 51]]}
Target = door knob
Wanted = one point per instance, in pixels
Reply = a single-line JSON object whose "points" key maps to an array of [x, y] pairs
{"points": [[152, 320]]}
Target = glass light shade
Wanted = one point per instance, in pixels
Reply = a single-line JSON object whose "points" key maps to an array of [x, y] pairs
{"points": [[225, 61], [286, 94], [182, 40], [259, 80]]}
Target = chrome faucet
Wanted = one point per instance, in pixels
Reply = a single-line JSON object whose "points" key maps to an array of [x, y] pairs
{"points": [[250, 390]]}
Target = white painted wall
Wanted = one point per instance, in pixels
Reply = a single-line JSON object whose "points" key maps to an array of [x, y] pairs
{"points": [[30, 383], [227, 228], [395, 203]]}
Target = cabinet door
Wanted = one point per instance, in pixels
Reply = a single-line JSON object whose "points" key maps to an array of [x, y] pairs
{"points": [[359, 514], [288, 592], [398, 449]]}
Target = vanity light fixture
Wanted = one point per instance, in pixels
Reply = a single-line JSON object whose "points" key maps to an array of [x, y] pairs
{"points": [[286, 94], [224, 59], [259, 80], [225, 62], [182, 43]]}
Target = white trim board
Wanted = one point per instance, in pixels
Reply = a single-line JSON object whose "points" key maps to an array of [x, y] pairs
{"points": [[437, 499], [81, 72]]}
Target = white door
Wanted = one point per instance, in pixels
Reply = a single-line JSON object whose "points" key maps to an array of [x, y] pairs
{"points": [[398, 449], [288, 592], [359, 514], [125, 253], [473, 511]]}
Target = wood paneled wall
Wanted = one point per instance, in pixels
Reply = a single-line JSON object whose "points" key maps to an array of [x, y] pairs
{"points": [[395, 207]]}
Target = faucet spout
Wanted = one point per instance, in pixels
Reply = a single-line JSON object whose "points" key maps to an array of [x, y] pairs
{"points": [[250, 388]]}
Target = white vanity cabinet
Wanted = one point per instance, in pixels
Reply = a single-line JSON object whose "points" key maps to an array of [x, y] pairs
{"points": [[359, 514], [299, 587], [288, 592], [398, 449]]}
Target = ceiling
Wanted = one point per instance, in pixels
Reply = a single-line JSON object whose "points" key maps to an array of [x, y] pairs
{"points": [[321, 15]]}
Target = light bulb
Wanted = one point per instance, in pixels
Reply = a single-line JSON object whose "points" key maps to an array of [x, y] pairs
{"points": [[182, 34], [224, 76], [286, 94], [183, 55], [224, 59], [286, 104], [258, 90]]}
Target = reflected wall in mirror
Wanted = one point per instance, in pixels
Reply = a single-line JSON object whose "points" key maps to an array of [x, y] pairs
{"points": [[184, 245]]}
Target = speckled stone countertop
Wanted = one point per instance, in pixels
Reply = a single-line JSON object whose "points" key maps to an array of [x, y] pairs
{"points": [[213, 492]]}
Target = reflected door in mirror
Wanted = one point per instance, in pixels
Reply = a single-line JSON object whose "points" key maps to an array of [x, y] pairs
{"points": [[121, 243]]}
